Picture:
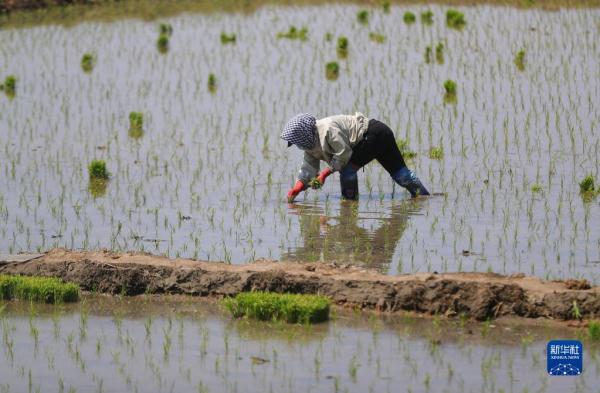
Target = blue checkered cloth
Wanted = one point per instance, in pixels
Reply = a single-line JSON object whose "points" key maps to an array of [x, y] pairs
{"points": [[300, 130]]}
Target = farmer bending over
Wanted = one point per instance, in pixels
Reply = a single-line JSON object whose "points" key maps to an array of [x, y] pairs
{"points": [[346, 143]]}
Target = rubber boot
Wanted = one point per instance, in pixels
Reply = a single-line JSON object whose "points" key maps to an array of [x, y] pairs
{"points": [[349, 183], [407, 179]]}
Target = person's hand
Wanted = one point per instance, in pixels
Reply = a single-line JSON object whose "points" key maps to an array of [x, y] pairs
{"points": [[320, 179], [293, 192]]}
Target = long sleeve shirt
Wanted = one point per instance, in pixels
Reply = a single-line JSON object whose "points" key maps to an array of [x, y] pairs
{"points": [[336, 137]]}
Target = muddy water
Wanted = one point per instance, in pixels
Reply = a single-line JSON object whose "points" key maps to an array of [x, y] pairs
{"points": [[207, 177], [177, 345]]}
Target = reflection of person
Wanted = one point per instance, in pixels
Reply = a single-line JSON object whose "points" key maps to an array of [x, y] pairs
{"points": [[346, 143], [345, 240]]}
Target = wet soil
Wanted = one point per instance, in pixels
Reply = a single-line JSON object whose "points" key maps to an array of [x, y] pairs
{"points": [[480, 296]]}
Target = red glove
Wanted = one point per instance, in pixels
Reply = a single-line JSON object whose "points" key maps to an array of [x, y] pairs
{"points": [[323, 175], [291, 195]]}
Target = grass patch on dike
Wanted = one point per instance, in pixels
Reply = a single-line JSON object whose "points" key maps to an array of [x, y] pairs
{"points": [[37, 289], [285, 307]]}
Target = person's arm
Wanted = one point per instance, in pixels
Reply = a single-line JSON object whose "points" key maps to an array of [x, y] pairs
{"points": [[308, 170]]}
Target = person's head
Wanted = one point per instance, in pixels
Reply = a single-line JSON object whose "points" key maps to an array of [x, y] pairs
{"points": [[301, 130]]}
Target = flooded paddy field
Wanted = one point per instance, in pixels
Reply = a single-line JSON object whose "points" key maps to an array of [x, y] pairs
{"points": [[176, 344], [205, 177]]}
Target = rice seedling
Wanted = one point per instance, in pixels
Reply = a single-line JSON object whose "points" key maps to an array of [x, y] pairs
{"points": [[587, 188], [403, 146], [409, 18], [449, 91], [212, 83], [594, 330], [332, 70], [88, 61], [436, 152], [9, 86], [228, 38], [363, 17], [290, 308], [520, 60], [536, 188], [136, 125], [342, 47], [428, 55], [37, 289], [439, 53], [162, 43], [427, 18], [328, 36], [294, 34], [455, 19], [165, 29], [386, 5], [379, 38], [97, 170]]}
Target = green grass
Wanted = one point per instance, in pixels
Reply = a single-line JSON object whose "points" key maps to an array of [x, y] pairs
{"points": [[455, 19], [285, 307], [403, 146], [37, 289], [97, 170]]}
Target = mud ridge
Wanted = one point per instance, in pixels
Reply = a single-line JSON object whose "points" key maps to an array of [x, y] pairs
{"points": [[480, 296]]}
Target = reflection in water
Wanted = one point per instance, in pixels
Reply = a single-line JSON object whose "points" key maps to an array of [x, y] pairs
{"points": [[345, 238]]}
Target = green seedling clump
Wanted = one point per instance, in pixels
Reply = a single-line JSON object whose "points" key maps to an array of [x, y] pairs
{"points": [[227, 38], [403, 146], [88, 60], [332, 70], [363, 17], [428, 55], [536, 188], [165, 29], [379, 38], [290, 308], [136, 120], [328, 36], [315, 183], [342, 47], [409, 18], [427, 18], [450, 91], [520, 60], [294, 34], [587, 188], [97, 170], [436, 153], [163, 43], [439, 53], [386, 6], [10, 85], [212, 82], [455, 19], [37, 289], [594, 330]]}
